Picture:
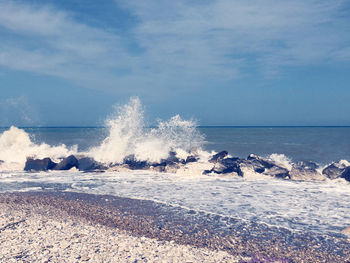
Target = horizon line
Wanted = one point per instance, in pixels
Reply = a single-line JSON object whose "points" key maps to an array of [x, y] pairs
{"points": [[199, 126]]}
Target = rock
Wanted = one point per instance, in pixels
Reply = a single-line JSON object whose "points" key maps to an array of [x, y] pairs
{"points": [[169, 164], [346, 174], [307, 165], [264, 166], [278, 172], [191, 159], [259, 163], [172, 158], [305, 171], [231, 165], [335, 170], [134, 164], [89, 164], [67, 163], [39, 164], [218, 157], [225, 166]]}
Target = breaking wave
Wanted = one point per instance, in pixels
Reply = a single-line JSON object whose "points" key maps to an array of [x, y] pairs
{"points": [[16, 145], [128, 135]]}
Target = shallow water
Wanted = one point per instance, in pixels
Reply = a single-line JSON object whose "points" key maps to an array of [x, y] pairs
{"points": [[323, 207], [320, 207]]}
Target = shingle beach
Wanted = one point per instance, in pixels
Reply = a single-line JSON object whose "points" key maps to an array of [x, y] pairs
{"points": [[76, 227]]}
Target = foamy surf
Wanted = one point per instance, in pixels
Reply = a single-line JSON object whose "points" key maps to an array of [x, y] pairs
{"points": [[173, 146], [128, 135]]}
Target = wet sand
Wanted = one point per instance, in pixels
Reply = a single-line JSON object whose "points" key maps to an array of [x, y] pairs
{"points": [[100, 228]]}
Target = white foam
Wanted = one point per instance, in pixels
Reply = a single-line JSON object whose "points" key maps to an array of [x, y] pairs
{"points": [[16, 146], [128, 135], [281, 160]]}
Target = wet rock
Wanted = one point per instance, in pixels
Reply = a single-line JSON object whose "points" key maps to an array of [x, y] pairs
{"points": [[225, 166], [67, 163], [169, 164], [346, 174], [334, 171], [218, 157], [172, 159], [259, 163], [278, 172], [89, 164], [231, 165], [134, 164], [264, 166], [307, 165], [39, 164], [256, 163], [191, 159], [306, 171]]}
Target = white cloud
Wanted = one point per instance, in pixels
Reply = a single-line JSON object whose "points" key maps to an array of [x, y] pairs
{"points": [[47, 41], [185, 44], [271, 33]]}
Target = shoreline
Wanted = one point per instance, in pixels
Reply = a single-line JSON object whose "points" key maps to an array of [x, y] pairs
{"points": [[234, 238]]}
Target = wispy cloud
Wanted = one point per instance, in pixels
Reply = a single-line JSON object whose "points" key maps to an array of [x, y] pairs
{"points": [[184, 44], [270, 33], [48, 41]]}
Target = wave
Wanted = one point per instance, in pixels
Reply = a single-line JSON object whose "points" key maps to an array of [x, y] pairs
{"points": [[174, 146], [16, 146], [128, 135]]}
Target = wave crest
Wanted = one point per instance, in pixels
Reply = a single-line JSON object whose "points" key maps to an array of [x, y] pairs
{"points": [[128, 135]]}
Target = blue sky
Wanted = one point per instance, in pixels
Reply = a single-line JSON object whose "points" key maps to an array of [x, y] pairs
{"points": [[221, 62]]}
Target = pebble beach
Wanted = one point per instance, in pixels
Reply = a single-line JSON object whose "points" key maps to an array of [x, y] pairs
{"points": [[73, 227]]}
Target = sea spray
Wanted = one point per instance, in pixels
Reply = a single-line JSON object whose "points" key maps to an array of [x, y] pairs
{"points": [[128, 135], [16, 145]]}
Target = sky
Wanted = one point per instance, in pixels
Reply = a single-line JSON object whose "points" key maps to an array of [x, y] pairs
{"points": [[219, 62]]}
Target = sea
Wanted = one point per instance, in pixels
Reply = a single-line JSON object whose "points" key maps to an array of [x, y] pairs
{"points": [[322, 207]]}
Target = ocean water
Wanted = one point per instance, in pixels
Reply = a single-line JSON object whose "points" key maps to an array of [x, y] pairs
{"points": [[322, 145], [322, 207]]}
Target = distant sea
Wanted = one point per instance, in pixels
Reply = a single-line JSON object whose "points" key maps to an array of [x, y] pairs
{"points": [[319, 144]]}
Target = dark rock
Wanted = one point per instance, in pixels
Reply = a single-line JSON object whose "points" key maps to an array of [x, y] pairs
{"points": [[334, 171], [278, 172], [67, 163], [346, 174], [230, 161], [39, 164], [231, 165], [259, 163], [218, 157], [172, 160], [191, 159], [263, 166], [89, 164], [225, 166], [307, 165], [135, 164], [305, 171]]}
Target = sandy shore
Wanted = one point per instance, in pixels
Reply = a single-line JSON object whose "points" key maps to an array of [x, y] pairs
{"points": [[70, 227]]}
